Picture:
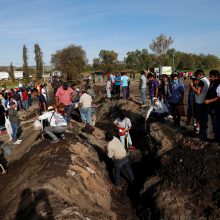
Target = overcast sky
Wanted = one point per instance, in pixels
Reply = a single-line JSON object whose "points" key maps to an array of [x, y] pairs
{"points": [[120, 25]]}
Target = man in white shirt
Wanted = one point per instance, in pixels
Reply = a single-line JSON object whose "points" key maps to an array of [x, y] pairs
{"points": [[117, 152], [143, 87], [124, 126], [85, 102], [57, 124], [200, 108]]}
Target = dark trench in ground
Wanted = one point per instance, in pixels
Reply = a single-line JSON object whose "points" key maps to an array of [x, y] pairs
{"points": [[148, 165], [195, 173]]}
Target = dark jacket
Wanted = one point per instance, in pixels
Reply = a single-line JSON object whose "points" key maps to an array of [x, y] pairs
{"points": [[13, 116]]}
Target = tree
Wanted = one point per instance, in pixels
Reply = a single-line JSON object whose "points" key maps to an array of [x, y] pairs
{"points": [[210, 61], [25, 62], [70, 61], [139, 60], [108, 59], [160, 46], [97, 65], [39, 61], [11, 72]]}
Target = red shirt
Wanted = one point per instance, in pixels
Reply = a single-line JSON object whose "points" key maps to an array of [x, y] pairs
{"points": [[24, 96]]}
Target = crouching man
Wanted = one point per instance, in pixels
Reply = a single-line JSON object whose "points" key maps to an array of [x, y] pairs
{"points": [[117, 152], [157, 110], [57, 124]]}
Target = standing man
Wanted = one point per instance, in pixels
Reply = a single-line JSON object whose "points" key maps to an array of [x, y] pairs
{"points": [[85, 102], [176, 99], [201, 108], [213, 103], [124, 126], [112, 77], [153, 86], [117, 152], [124, 85], [117, 85], [64, 95], [41, 99], [14, 120], [143, 87]]}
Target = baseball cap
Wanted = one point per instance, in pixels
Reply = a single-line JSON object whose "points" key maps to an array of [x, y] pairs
{"points": [[50, 108], [11, 103]]}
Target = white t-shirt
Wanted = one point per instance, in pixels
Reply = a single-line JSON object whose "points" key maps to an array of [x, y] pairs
{"points": [[8, 106], [125, 123], [86, 100], [218, 91], [108, 85], [143, 82], [44, 93], [54, 119], [116, 149], [199, 99]]}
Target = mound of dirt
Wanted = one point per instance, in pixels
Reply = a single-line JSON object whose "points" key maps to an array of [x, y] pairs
{"points": [[66, 180], [187, 185]]}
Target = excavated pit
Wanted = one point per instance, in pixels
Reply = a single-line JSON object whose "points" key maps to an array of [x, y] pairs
{"points": [[176, 176]]}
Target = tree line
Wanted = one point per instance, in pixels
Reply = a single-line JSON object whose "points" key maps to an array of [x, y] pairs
{"points": [[162, 55], [72, 61]]}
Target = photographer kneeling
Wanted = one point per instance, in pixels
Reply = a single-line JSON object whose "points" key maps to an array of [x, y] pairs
{"points": [[57, 124]]}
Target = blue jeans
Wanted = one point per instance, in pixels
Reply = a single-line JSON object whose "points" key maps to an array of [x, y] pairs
{"points": [[175, 113], [122, 139], [143, 95], [118, 166], [151, 100], [214, 111], [85, 114], [166, 102], [19, 105], [29, 100], [14, 127], [67, 109], [25, 105], [125, 91]]}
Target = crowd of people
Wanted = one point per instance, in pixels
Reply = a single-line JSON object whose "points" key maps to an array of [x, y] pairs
{"points": [[165, 100], [51, 119], [166, 96]]}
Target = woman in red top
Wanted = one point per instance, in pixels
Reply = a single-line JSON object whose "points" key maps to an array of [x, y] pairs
{"points": [[24, 99]]}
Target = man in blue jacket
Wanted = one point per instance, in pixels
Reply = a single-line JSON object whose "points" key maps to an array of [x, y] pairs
{"points": [[176, 98]]}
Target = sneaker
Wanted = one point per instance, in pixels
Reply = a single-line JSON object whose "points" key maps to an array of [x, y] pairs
{"points": [[17, 142], [197, 130], [54, 141]]}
